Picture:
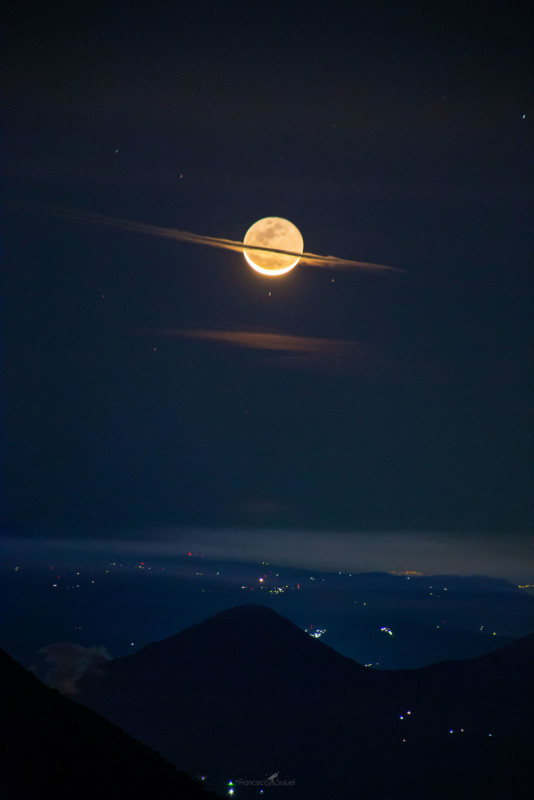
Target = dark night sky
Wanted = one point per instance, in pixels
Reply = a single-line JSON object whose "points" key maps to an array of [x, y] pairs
{"points": [[386, 132]]}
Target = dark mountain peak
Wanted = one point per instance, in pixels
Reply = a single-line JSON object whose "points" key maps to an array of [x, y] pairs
{"points": [[250, 620], [253, 635], [223, 690], [248, 614], [246, 617]]}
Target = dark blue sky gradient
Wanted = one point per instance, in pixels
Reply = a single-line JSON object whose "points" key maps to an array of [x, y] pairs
{"points": [[386, 134]]}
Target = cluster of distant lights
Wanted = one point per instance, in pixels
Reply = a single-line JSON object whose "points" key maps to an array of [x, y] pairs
{"points": [[451, 731], [141, 565], [230, 785], [407, 573], [494, 633], [56, 585], [262, 581], [445, 589], [315, 633], [273, 590]]}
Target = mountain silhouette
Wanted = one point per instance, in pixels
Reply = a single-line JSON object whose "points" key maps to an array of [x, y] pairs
{"points": [[247, 693], [55, 748]]}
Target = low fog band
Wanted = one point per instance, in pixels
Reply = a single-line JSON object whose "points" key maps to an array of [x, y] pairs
{"points": [[210, 241]]}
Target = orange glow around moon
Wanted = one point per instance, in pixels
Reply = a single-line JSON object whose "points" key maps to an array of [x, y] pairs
{"points": [[276, 233]]}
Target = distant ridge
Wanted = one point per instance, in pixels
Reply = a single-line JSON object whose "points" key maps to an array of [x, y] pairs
{"points": [[247, 693]]}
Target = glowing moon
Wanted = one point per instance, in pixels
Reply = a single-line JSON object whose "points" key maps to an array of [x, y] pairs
{"points": [[276, 233]]}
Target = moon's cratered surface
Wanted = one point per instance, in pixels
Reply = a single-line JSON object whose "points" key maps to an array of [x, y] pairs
{"points": [[276, 233]]}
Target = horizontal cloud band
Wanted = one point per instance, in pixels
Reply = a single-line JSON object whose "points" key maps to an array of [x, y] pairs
{"points": [[311, 259]]}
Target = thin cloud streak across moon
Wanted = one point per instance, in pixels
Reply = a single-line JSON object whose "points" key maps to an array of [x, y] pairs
{"points": [[311, 259]]}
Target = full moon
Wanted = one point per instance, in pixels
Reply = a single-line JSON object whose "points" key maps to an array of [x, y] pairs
{"points": [[278, 234]]}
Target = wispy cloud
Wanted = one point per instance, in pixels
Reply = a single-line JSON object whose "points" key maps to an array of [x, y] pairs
{"points": [[310, 259], [431, 553], [271, 341], [298, 351], [71, 662]]}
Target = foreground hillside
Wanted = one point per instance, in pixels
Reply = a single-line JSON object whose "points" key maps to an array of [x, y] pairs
{"points": [[55, 748]]}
